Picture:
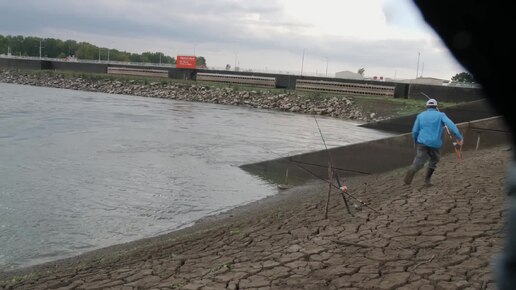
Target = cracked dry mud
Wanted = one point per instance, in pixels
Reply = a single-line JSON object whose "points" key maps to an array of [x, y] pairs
{"points": [[440, 237]]}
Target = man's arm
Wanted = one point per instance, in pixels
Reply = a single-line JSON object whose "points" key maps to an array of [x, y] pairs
{"points": [[447, 122]]}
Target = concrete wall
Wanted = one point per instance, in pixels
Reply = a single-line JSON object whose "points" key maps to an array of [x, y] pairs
{"points": [[78, 67], [182, 74], [466, 112], [401, 91], [374, 156], [289, 81], [20, 63]]}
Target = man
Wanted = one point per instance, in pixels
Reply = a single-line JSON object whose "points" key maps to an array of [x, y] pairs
{"points": [[427, 132]]}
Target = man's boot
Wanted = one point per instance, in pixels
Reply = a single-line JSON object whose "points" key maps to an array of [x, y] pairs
{"points": [[428, 177], [409, 176]]}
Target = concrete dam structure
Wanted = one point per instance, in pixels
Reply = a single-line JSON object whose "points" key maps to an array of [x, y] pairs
{"points": [[367, 87]]}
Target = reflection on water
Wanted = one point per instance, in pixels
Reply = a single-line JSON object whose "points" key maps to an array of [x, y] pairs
{"points": [[84, 170]]}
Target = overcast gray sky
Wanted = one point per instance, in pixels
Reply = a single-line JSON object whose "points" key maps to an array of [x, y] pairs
{"points": [[385, 37]]}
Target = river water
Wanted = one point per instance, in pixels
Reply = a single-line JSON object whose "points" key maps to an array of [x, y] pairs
{"points": [[81, 170]]}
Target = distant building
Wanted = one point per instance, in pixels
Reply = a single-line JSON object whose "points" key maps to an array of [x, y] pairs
{"points": [[464, 85], [426, 81], [349, 75]]}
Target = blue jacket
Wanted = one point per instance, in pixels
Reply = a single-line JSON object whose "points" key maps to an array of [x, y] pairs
{"points": [[428, 128]]}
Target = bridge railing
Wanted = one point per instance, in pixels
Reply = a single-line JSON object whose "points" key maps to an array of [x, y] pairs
{"points": [[167, 65]]}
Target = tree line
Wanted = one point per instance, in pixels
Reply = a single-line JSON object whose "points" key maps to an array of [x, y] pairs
{"points": [[56, 48]]}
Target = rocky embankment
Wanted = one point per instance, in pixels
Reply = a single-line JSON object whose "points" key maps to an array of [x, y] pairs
{"points": [[337, 107]]}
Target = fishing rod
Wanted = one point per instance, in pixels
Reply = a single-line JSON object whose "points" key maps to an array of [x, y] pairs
{"points": [[457, 151], [338, 168], [342, 189], [335, 186], [297, 164], [290, 159]]}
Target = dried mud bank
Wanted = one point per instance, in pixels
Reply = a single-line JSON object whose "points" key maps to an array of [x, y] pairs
{"points": [[341, 107], [440, 237]]}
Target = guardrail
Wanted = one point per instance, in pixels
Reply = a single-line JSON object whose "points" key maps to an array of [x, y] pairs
{"points": [[238, 79], [78, 60], [345, 88], [137, 71]]}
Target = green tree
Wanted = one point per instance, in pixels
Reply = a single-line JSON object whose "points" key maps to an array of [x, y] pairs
{"points": [[16, 44], [463, 77], [87, 51], [30, 46], [4, 44], [56, 48], [201, 61], [157, 57], [70, 47]]}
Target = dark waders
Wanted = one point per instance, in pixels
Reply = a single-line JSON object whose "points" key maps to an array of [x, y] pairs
{"points": [[423, 154]]}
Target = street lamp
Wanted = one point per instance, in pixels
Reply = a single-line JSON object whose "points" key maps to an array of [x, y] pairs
{"points": [[417, 68], [326, 66], [40, 47], [236, 56], [302, 61]]}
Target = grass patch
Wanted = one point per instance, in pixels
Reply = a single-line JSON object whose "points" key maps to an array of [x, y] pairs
{"points": [[225, 266], [393, 107]]}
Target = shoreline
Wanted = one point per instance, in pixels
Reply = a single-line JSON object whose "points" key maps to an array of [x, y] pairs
{"points": [[206, 223], [442, 237]]}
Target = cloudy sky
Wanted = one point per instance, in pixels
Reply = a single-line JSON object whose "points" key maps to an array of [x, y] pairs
{"points": [[385, 37]]}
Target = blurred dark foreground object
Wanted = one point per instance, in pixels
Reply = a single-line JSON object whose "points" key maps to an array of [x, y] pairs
{"points": [[479, 35]]}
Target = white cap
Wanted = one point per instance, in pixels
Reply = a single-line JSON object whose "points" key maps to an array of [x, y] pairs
{"points": [[431, 103]]}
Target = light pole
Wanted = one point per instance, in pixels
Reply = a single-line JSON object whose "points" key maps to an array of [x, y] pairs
{"points": [[302, 61], [236, 56], [108, 54], [326, 66], [99, 54], [417, 68], [40, 49]]}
